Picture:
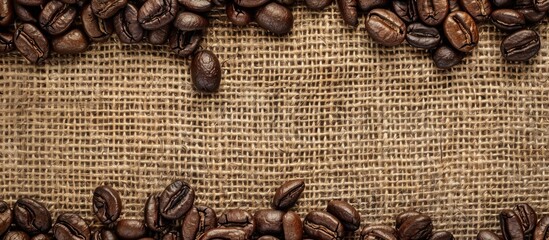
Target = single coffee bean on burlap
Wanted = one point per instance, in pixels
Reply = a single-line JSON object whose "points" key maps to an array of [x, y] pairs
{"points": [[30, 215], [292, 226], [7, 13], [527, 8], [480, 10], [159, 36], [541, 231], [154, 14], [126, 25], [57, 17], [442, 235], [422, 36], [71, 42], [345, 213], [206, 71], [171, 235], [323, 226], [197, 221], [185, 43], [6, 214], [508, 19], [130, 229], [349, 11], [447, 56], [367, 5], [237, 218], [107, 204], [275, 18], [433, 12], [287, 194], [402, 217], [415, 228], [225, 234], [461, 31], [16, 235], [520, 46], [97, 29], [527, 215], [103, 234], [268, 222], [378, 232], [385, 27], [107, 8], [153, 219], [199, 6], [71, 227], [488, 235], [318, 4], [43, 236], [176, 199], [251, 3], [238, 15], [511, 227], [406, 10], [188, 21]]}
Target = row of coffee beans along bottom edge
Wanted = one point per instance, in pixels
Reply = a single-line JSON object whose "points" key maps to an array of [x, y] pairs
{"points": [[173, 215]]}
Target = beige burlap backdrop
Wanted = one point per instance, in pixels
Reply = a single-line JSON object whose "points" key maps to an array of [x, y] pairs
{"points": [[379, 127]]}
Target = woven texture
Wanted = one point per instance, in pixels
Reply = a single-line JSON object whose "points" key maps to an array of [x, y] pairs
{"points": [[379, 127]]}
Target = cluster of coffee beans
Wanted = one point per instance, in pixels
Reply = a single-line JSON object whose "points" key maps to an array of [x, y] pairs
{"points": [[521, 222]]}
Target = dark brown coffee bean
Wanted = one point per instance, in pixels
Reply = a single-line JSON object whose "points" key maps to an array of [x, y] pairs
{"points": [[185, 43], [503, 3], [275, 18], [402, 217], [541, 5], [238, 15], [97, 29], [107, 204], [349, 11], [107, 8], [6, 215], [188, 21], [268, 222], [6, 45], [406, 10], [6, 12], [442, 235], [454, 5], [508, 19], [287, 194], [155, 14], [42, 236], [447, 57], [224, 234], [35, 3], [520, 46], [159, 36], [251, 3], [57, 17], [527, 8], [433, 12], [126, 25], [153, 218], [480, 10], [197, 221], [292, 226], [103, 234], [385, 28], [130, 229], [199, 6], [367, 5], [423, 36], [71, 227], [27, 14], [172, 235], [233, 218], [345, 213], [318, 4], [286, 2], [525, 212], [176, 200], [416, 228], [461, 31], [267, 237], [488, 235], [16, 235], [511, 227], [541, 231], [30, 215], [378, 232], [323, 226], [72, 42]]}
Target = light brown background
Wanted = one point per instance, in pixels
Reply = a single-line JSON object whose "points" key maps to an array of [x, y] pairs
{"points": [[379, 127]]}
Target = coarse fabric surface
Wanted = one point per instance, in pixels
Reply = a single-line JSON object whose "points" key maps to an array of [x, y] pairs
{"points": [[379, 127]]}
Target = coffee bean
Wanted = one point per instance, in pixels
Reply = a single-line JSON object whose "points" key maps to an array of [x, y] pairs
{"points": [[461, 31], [541, 5], [318, 4], [367, 5], [525, 212], [197, 221], [275, 18], [454, 5], [172, 235], [130, 229], [541, 231], [188, 21], [508, 19], [423, 36], [442, 235], [34, 3], [292, 226], [72, 42], [42, 236], [323, 226], [16, 235], [415, 228], [251, 3], [57, 17], [225, 234], [199, 6], [185, 43], [406, 10], [527, 8], [480, 10], [402, 217], [385, 28], [345, 213], [447, 57], [97, 29], [6, 215], [155, 14], [511, 226], [267, 237], [159, 36], [235, 218], [103, 234], [71, 227], [239, 16], [153, 218], [268, 222], [432, 12], [30, 215], [503, 3], [287, 194], [286, 2], [6, 12], [378, 232], [176, 199], [126, 25], [107, 8], [488, 235], [6, 45], [107, 204], [520, 46], [349, 11], [26, 14]]}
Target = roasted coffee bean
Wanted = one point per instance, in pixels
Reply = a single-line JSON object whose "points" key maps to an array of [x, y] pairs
{"points": [[508, 19], [26, 14], [107, 204], [442, 235], [126, 25], [188, 21], [520, 46], [480, 10], [345, 213], [541, 5], [454, 5], [318, 4], [525, 212], [172, 235], [71, 227], [16, 235], [185, 43], [378, 232], [385, 27], [287, 194], [97, 29], [199, 6], [42, 236], [488, 235], [275, 18], [511, 227], [402, 217], [197, 221], [153, 218], [292, 226], [176, 199], [6, 45], [6, 215], [57, 17], [250, 3], [225, 234], [155, 14], [447, 57], [72, 42], [286, 2], [267, 237], [527, 8], [406, 10], [433, 12], [268, 222], [349, 11], [232, 218], [542, 229], [503, 3], [323, 226], [367, 5], [6, 12], [159, 36], [35, 3], [415, 228], [130, 229], [461, 31], [423, 36], [107, 8], [30, 215], [238, 15], [103, 234]]}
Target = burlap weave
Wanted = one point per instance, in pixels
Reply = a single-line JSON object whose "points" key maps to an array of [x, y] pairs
{"points": [[379, 127]]}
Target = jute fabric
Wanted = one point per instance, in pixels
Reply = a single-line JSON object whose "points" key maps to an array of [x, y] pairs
{"points": [[379, 127]]}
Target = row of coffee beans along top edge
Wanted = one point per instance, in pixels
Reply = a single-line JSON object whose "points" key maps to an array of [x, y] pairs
{"points": [[173, 215]]}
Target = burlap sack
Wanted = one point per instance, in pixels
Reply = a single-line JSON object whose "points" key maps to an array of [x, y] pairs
{"points": [[379, 127]]}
